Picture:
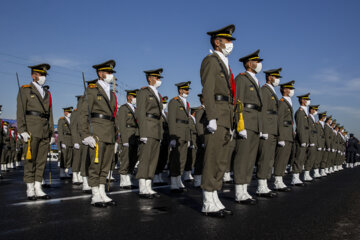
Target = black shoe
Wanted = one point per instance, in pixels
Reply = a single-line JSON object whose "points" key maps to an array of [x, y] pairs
{"points": [[111, 204], [183, 189], [270, 194], [99, 205], [32, 198], [218, 214], [160, 184], [285, 189], [249, 201], [145, 196], [45, 197], [188, 180], [299, 184], [227, 211], [87, 191], [177, 190], [155, 195], [309, 181], [125, 187], [46, 185], [228, 182]]}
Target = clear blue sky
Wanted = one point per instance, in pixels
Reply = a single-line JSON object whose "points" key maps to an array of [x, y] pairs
{"points": [[315, 42]]}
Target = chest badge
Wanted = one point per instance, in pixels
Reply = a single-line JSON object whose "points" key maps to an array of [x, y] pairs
{"points": [[99, 98], [151, 98], [32, 96], [251, 89]]}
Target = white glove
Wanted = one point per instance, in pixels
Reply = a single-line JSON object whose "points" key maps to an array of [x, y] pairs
{"points": [[144, 140], [243, 134], [358, 155], [319, 149], [329, 149], [303, 145], [212, 127], [188, 143], [264, 136], [339, 151], [25, 136], [333, 150], [89, 141], [126, 144], [281, 143], [77, 146], [52, 140], [116, 146], [312, 144], [63, 146], [173, 143]]}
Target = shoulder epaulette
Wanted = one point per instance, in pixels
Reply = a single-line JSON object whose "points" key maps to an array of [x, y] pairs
{"points": [[301, 109], [282, 99], [26, 86], [144, 87], [92, 85], [62, 117], [242, 73], [176, 98], [75, 109]]}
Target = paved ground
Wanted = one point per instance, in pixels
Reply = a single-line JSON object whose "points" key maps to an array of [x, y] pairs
{"points": [[326, 209]]}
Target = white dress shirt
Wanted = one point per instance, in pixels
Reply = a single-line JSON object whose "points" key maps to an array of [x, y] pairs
{"points": [[288, 99], [67, 118], [106, 87], [224, 59], [313, 118], [155, 91], [305, 110], [39, 88], [253, 75], [322, 123], [272, 88], [184, 101], [131, 106]]}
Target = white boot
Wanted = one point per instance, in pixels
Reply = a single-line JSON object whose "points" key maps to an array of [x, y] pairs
{"points": [[347, 165], [96, 198], [197, 180], [187, 176], [123, 181], [38, 190], [30, 190], [217, 201], [209, 203], [179, 182], [227, 177], [262, 186], [142, 187], [296, 180], [240, 194], [103, 195], [307, 177], [86, 186], [17, 164], [331, 170], [323, 173], [149, 187], [327, 171], [335, 169], [351, 165], [75, 179], [174, 183], [340, 167], [279, 183], [80, 178], [316, 173], [110, 176]]}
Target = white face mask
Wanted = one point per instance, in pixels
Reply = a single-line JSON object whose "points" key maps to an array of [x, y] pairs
{"points": [[184, 95], [308, 102], [109, 78], [5, 128], [69, 115], [164, 105], [42, 80], [228, 49], [291, 93], [315, 113], [258, 67], [276, 82], [0, 112], [133, 101], [157, 84]]}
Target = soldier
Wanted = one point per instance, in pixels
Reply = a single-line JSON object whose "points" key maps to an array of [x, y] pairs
{"points": [[201, 123], [99, 134], [328, 142], [337, 148], [65, 143], [148, 114], [12, 152], [249, 94], [164, 146], [218, 93], [342, 147], [6, 146], [352, 150], [302, 139], [332, 153], [179, 130], [129, 134], [286, 135], [36, 126], [191, 153], [270, 132], [321, 150], [76, 140], [312, 155]]}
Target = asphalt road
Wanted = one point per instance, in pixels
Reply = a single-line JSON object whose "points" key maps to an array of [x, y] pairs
{"points": [[329, 208]]}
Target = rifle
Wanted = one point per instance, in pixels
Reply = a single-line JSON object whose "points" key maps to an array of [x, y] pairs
{"points": [[28, 153]]}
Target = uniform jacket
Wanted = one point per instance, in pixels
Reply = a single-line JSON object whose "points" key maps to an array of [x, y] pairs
{"points": [[320, 136], [178, 112], [328, 136], [313, 134], [64, 132], [269, 110], [302, 126], [75, 125], [201, 123], [126, 123], [285, 121]]}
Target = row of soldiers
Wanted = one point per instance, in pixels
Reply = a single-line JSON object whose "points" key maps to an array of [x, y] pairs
{"points": [[239, 125]]}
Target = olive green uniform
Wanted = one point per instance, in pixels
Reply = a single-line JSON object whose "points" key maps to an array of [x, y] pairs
{"points": [[312, 150], [320, 144], [102, 115], [201, 123], [302, 136], [328, 145], [164, 146], [34, 115], [64, 137], [75, 138], [191, 154]]}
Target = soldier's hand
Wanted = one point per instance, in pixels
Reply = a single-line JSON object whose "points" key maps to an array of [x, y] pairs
{"points": [[212, 127], [63, 146], [173, 143], [329, 149], [126, 144], [144, 140], [319, 149], [25, 136], [303, 145], [77, 146], [90, 141], [189, 144], [264, 136], [116, 147], [312, 144], [281, 143], [243, 134]]}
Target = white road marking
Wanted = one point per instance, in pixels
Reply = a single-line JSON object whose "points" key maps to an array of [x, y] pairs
{"points": [[58, 200]]}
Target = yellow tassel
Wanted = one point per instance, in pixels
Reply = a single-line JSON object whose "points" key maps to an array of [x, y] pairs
{"points": [[241, 124], [97, 153], [28, 153]]}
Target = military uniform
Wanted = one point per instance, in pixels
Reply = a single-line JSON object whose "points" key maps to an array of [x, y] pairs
{"points": [[65, 142], [302, 139], [270, 133], [191, 153], [5, 146], [76, 140], [201, 123], [285, 138], [180, 137], [312, 149], [320, 159], [100, 106], [35, 119], [248, 94], [148, 115], [328, 143], [129, 134]]}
